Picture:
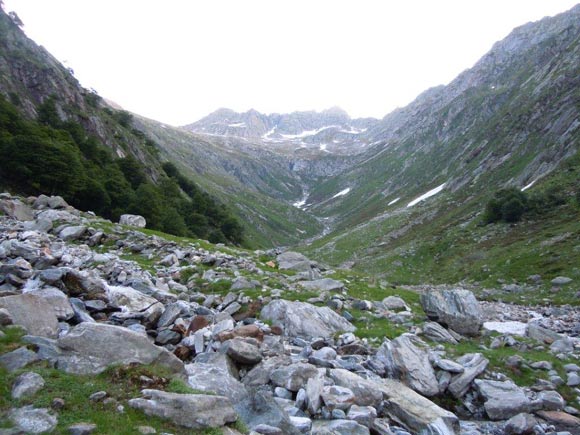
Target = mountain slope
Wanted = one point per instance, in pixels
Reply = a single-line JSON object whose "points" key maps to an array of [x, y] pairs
{"points": [[510, 120]]}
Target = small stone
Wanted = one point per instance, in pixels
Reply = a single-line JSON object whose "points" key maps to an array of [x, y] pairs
{"points": [[303, 424], [573, 379], [146, 430], [82, 429], [541, 365], [57, 404], [282, 393], [266, 429], [98, 396], [561, 280], [5, 317]]}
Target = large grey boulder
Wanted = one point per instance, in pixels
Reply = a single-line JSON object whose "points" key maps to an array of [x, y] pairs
{"points": [[16, 209], [260, 408], [57, 300], [293, 261], [300, 319], [458, 309], [33, 313], [132, 301], [473, 364], [133, 220], [435, 332], [18, 359], [215, 379], [502, 399], [321, 285], [89, 348], [73, 232], [409, 363], [415, 411], [32, 420], [195, 411], [244, 350]]}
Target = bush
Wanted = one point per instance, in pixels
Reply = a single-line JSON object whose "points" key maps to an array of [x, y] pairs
{"points": [[507, 205]]}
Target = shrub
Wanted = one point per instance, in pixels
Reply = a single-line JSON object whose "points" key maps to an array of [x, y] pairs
{"points": [[507, 205]]}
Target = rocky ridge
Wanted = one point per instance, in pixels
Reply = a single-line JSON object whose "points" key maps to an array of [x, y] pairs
{"points": [[266, 338]]}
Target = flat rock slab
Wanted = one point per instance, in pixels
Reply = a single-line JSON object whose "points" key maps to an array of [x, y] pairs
{"points": [[562, 420], [338, 427], [89, 348], [33, 313], [324, 284], [300, 319], [195, 411], [502, 399]]}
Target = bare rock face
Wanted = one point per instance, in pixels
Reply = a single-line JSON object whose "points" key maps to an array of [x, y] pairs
{"points": [[89, 348], [458, 309], [300, 319], [195, 411], [502, 399], [133, 220]]}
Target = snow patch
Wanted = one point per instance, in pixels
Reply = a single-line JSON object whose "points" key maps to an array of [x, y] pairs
{"points": [[322, 147], [307, 132], [394, 201], [341, 193], [354, 130], [426, 195], [526, 187], [269, 133], [237, 124]]}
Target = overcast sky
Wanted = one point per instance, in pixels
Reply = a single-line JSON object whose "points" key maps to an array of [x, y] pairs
{"points": [[178, 60]]}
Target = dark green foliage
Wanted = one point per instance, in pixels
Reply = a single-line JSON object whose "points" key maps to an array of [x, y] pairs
{"points": [[123, 117], [507, 205], [59, 158]]}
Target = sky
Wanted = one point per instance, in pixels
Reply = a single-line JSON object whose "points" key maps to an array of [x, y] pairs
{"points": [[178, 60]]}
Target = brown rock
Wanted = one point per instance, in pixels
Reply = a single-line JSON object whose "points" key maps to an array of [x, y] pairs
{"points": [[183, 353], [197, 323], [243, 331], [562, 420]]}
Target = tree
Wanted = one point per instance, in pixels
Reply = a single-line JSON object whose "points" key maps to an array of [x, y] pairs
{"points": [[507, 205]]}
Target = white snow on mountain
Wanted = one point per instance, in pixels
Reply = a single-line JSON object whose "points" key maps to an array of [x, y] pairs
{"points": [[429, 194]]}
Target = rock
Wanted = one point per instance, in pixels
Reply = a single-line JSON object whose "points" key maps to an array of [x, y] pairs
{"points": [[549, 401], [502, 399], [300, 319], [242, 283], [415, 411], [293, 261], [561, 280], [511, 328], [366, 391], [303, 424], [542, 334], [57, 300], [73, 232], [322, 285], [573, 379], [394, 303], [133, 220], [89, 348], [449, 366], [294, 376], [404, 361], [215, 379], [195, 411], [18, 359], [5, 317], [435, 332], [33, 313], [283, 393], [313, 390], [259, 408], [134, 301], [167, 336], [33, 420], [26, 385], [541, 365], [244, 351], [266, 429], [564, 345], [458, 309], [474, 364], [338, 427], [16, 209], [260, 374], [336, 397], [171, 313], [521, 424], [80, 313], [561, 419], [364, 415], [82, 429]]}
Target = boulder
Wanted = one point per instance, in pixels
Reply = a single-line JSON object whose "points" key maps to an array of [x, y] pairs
{"points": [[521, 424], [364, 415], [300, 319], [336, 397], [260, 408], [195, 411], [502, 399], [18, 359], [244, 351], [322, 285], [16, 209], [32, 420], [57, 300], [415, 411], [561, 280], [133, 220], [473, 364], [132, 301], [395, 303], [458, 309], [27, 384], [541, 334], [293, 261], [73, 232], [405, 361], [89, 348], [314, 388], [33, 313], [562, 420], [214, 379]]}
